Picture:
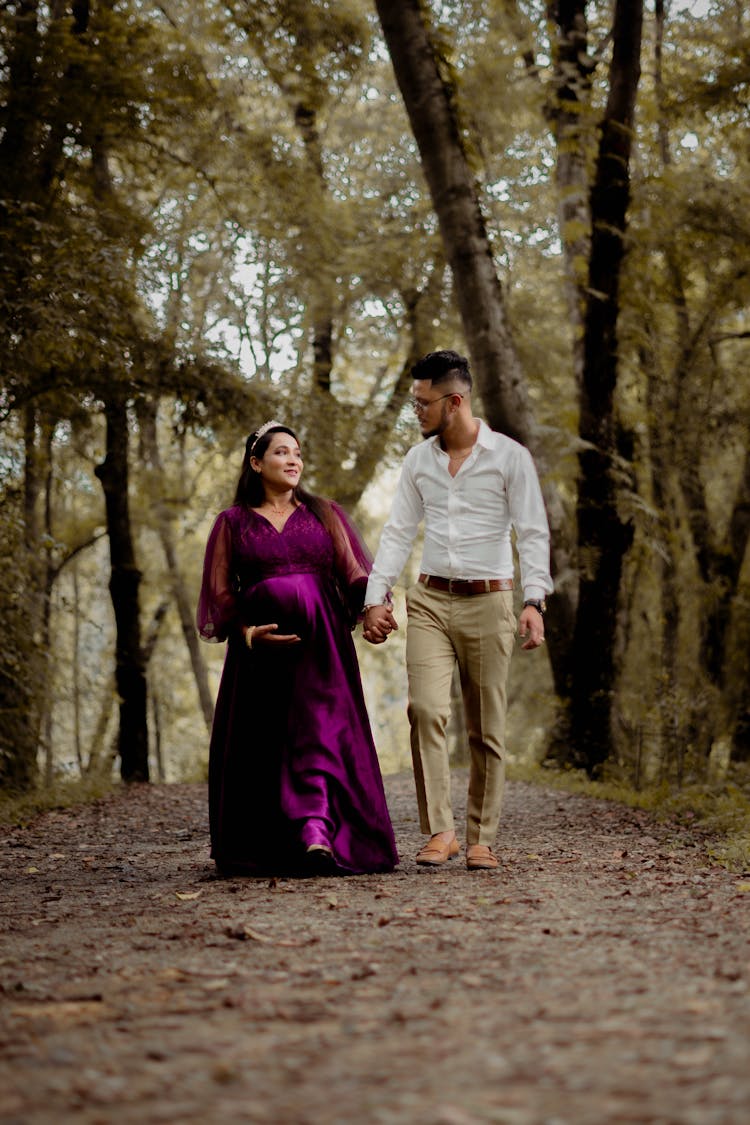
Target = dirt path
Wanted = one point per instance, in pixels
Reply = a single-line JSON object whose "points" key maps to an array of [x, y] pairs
{"points": [[601, 976]]}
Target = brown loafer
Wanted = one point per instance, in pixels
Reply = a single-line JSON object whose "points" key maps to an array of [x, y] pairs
{"points": [[480, 857], [436, 852]]}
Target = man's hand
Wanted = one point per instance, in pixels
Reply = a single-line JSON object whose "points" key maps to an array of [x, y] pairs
{"points": [[531, 626], [379, 622]]}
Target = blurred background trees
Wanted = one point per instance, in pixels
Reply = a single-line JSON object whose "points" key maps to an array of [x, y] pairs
{"points": [[213, 213]]}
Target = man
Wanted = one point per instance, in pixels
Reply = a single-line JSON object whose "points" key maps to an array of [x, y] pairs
{"points": [[470, 485]]}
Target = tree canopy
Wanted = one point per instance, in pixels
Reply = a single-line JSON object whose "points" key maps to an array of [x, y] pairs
{"points": [[212, 213]]}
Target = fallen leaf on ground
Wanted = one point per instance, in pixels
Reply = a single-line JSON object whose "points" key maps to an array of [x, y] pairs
{"points": [[245, 933]]}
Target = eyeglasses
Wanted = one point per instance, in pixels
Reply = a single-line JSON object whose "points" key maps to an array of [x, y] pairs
{"points": [[419, 405]]}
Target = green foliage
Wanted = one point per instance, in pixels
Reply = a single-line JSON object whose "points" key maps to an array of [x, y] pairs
{"points": [[685, 396]]}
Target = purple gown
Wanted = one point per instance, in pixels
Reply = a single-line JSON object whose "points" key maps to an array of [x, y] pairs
{"points": [[292, 760]]}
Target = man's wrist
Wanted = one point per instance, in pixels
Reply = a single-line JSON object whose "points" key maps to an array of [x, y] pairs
{"points": [[539, 604]]}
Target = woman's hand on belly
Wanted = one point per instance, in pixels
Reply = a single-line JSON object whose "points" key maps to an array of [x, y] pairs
{"points": [[266, 635]]}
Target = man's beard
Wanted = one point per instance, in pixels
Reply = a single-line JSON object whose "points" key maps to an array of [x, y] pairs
{"points": [[437, 430]]}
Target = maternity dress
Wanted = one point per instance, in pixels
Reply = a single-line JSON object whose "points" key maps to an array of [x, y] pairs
{"points": [[292, 760]]}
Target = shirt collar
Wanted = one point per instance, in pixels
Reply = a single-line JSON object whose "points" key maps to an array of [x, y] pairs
{"points": [[484, 438]]}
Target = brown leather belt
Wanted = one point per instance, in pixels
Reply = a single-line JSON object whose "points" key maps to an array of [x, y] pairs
{"points": [[466, 585]]}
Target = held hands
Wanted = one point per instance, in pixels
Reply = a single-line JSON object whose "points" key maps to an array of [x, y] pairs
{"points": [[531, 626], [265, 635], [379, 622]]}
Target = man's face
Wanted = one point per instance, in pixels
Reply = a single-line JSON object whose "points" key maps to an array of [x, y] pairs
{"points": [[433, 406]]}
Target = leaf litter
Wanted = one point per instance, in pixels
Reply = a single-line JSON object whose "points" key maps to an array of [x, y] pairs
{"points": [[600, 975]]}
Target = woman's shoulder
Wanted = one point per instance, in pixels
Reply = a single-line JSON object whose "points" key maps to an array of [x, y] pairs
{"points": [[332, 512], [236, 514]]}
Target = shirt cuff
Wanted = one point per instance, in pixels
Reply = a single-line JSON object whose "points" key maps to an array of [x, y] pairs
{"points": [[377, 594]]}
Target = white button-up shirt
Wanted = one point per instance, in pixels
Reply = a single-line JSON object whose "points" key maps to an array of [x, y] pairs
{"points": [[468, 517]]}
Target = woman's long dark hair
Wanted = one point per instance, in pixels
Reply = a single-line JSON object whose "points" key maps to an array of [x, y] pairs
{"points": [[250, 492]]}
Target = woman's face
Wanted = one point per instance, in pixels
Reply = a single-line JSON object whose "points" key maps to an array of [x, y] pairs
{"points": [[281, 464]]}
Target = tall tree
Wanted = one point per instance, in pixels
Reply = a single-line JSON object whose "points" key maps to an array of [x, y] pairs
{"points": [[124, 586], [430, 97], [604, 533], [151, 456]]}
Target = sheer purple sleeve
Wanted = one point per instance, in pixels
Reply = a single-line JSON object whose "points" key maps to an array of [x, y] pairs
{"points": [[217, 601], [352, 561]]}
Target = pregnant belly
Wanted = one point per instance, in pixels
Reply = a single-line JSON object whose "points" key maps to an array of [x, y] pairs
{"points": [[291, 601]]}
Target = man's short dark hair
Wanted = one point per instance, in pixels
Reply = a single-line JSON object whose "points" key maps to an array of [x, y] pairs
{"points": [[440, 367]]}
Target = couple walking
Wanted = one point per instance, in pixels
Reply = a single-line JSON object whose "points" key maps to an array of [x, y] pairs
{"points": [[294, 780]]}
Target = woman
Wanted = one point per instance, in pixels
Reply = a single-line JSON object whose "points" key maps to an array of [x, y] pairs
{"points": [[294, 780]]}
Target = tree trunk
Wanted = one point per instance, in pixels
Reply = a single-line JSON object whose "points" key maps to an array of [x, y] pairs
{"points": [[666, 439], [37, 113], [570, 113], [17, 143], [96, 763], [124, 585], [158, 756], [21, 679], [721, 563], [150, 445], [321, 303], [430, 103], [148, 651], [76, 658], [603, 536], [50, 572]]}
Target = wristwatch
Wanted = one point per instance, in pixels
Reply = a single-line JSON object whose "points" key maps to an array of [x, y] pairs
{"points": [[539, 606]]}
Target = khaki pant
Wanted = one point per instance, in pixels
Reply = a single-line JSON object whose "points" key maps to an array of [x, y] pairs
{"points": [[478, 632]]}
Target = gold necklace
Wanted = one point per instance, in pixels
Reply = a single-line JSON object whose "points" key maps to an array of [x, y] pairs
{"points": [[280, 511]]}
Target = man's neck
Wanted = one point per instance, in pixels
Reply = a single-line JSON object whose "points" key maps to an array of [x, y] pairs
{"points": [[460, 435]]}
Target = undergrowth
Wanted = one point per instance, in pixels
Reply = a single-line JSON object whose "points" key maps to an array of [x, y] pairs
{"points": [[720, 812], [20, 808]]}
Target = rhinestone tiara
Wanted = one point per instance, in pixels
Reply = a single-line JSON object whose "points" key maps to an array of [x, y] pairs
{"points": [[264, 430]]}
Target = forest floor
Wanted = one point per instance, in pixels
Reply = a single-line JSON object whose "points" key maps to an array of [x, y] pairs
{"points": [[601, 975]]}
